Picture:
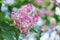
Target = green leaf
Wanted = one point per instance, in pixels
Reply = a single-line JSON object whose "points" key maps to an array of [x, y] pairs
{"points": [[7, 20], [4, 26], [53, 8], [7, 36], [16, 31], [1, 37], [33, 30], [47, 3], [7, 29], [38, 37], [1, 1], [2, 15], [10, 8]]}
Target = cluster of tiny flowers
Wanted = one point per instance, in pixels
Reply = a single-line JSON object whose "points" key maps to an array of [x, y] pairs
{"points": [[39, 2], [23, 20], [46, 12]]}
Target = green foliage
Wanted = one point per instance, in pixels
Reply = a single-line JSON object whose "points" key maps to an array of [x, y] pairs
{"points": [[53, 8], [6, 31], [1, 1], [33, 30], [2, 14], [47, 3]]}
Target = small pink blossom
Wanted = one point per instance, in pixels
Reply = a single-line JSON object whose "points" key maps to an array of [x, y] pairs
{"points": [[24, 30], [35, 17], [49, 13], [39, 2], [13, 15]]}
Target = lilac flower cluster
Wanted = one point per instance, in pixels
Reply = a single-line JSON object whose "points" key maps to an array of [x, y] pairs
{"points": [[23, 20]]}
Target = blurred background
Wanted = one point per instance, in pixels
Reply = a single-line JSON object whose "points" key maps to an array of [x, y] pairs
{"points": [[47, 24]]}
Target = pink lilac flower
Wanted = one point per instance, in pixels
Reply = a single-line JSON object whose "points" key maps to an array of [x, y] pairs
{"points": [[41, 13], [23, 20], [24, 30], [46, 12], [13, 15], [39, 2], [26, 9], [49, 13], [35, 17]]}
